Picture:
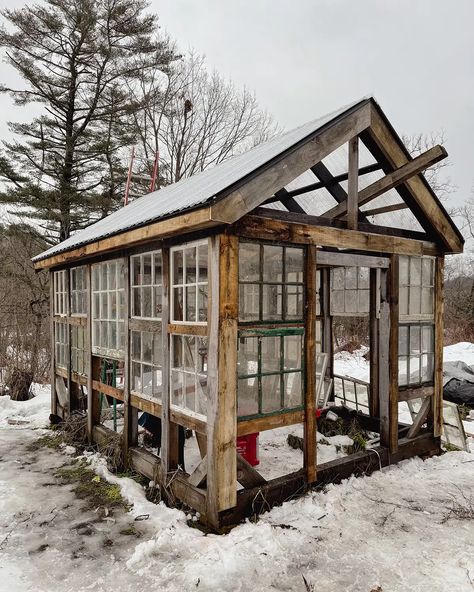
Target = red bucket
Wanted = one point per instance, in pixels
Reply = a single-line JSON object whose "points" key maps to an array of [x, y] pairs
{"points": [[247, 447]]}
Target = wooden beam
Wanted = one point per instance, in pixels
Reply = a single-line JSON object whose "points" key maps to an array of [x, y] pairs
{"points": [[198, 476], [342, 259], [353, 184], [439, 343], [269, 227], [385, 209], [420, 418], [52, 374], [247, 476], [415, 393], [222, 376], [310, 448], [107, 389], [393, 179], [184, 223], [130, 428], [290, 165], [386, 141], [374, 352], [288, 201], [393, 290], [261, 424]]}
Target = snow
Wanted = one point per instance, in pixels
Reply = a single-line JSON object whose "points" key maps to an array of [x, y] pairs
{"points": [[389, 530]]}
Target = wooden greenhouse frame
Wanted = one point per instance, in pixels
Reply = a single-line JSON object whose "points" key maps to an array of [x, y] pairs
{"points": [[252, 197]]}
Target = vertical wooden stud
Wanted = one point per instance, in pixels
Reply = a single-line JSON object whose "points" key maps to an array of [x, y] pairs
{"points": [[310, 449], [374, 342], [67, 409], [352, 184], [437, 407], [327, 336], [222, 376], [54, 400], [93, 409], [130, 427]]}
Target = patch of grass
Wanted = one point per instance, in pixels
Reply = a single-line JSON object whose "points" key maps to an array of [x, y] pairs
{"points": [[91, 487], [53, 441], [450, 447], [131, 531], [140, 479]]}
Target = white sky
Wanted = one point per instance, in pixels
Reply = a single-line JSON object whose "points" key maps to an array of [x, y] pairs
{"points": [[304, 58]]}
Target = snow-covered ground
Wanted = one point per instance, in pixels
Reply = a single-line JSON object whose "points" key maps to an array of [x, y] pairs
{"points": [[392, 532]]}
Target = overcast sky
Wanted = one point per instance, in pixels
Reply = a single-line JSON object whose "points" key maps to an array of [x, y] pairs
{"points": [[304, 58]]}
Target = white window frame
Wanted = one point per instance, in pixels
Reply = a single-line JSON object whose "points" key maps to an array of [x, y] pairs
{"points": [[60, 345], [361, 291], [184, 285], [60, 293], [77, 293], [153, 285], [79, 353], [116, 353], [408, 285], [155, 365]]}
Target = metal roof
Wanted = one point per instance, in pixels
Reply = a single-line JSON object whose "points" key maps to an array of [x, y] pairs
{"points": [[203, 188]]}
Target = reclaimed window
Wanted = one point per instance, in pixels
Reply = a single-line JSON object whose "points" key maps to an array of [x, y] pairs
{"points": [[146, 363], [108, 308], [349, 291], [270, 283], [146, 285], [416, 285], [189, 264], [78, 284], [78, 349], [270, 371], [189, 373], [60, 293], [60, 345], [415, 354]]}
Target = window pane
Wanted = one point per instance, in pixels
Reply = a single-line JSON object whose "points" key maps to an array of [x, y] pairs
{"points": [[178, 304], [403, 270], [177, 388], [415, 339], [294, 265], [270, 354], [294, 302], [271, 395], [189, 343], [337, 277], [157, 349], [201, 395], [403, 341], [427, 367], [135, 270], [403, 300], [190, 260], [428, 338], [157, 303], [146, 301], [247, 397], [414, 370], [249, 262], [202, 303], [177, 351], [292, 349], [146, 279], [363, 277], [249, 302], [202, 263], [136, 377], [337, 301], [428, 271], [415, 301], [293, 392], [351, 278], [415, 271], [147, 379], [177, 265], [272, 302], [351, 301], [136, 302], [147, 346], [272, 263], [191, 303], [247, 361], [427, 301], [112, 276], [136, 345], [190, 391], [157, 260]]}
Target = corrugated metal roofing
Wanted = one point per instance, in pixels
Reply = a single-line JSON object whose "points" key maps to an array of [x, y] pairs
{"points": [[202, 188]]}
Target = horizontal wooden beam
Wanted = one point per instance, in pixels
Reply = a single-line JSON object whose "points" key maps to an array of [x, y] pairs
{"points": [[391, 180], [184, 223], [260, 424], [107, 389], [385, 209], [350, 260], [270, 228], [415, 393]]}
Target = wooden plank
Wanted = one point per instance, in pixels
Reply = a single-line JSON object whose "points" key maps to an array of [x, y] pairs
{"points": [[178, 417], [188, 222], [130, 428], [393, 289], [415, 393], [352, 205], [261, 424], [420, 418], [184, 329], [107, 389], [341, 259], [93, 399], [396, 177], [198, 476], [138, 401], [62, 392], [52, 372], [247, 475], [310, 448], [286, 167], [374, 314], [222, 376], [92, 403], [267, 227], [385, 139], [385, 209], [439, 343], [77, 321], [79, 378], [327, 328], [61, 372]]}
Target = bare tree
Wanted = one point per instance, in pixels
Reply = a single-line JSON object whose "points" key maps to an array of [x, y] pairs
{"points": [[195, 119]]}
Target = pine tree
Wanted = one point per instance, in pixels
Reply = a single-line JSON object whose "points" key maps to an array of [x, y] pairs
{"points": [[78, 60]]}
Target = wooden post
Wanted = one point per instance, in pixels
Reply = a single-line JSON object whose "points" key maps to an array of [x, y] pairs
{"points": [[54, 401], [67, 408], [327, 337], [222, 376], [374, 314], [389, 397], [437, 407], [352, 184], [92, 398], [169, 430], [130, 427], [310, 448]]}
